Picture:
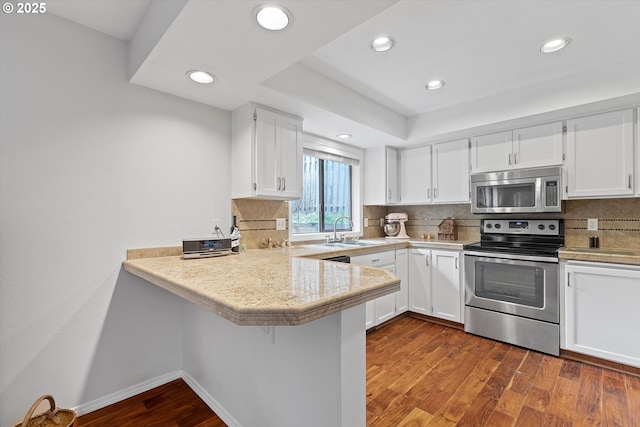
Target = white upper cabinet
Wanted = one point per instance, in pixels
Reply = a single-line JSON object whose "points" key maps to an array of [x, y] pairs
{"points": [[491, 152], [538, 146], [381, 185], [435, 174], [638, 152], [415, 175], [451, 172], [600, 155], [266, 154], [534, 146]]}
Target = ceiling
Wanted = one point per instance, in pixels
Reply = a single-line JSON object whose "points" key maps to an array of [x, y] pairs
{"points": [[322, 69]]}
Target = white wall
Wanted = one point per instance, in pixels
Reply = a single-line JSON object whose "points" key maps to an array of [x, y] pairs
{"points": [[286, 376], [90, 166]]}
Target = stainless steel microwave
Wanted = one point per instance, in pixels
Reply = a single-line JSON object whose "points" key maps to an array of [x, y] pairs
{"points": [[517, 191]]}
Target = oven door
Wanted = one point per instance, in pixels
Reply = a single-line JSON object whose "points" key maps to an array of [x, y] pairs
{"points": [[521, 287]]}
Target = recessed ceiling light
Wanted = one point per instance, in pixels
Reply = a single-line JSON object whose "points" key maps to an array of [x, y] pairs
{"points": [[273, 18], [382, 43], [555, 45], [201, 76], [435, 84], [343, 136]]}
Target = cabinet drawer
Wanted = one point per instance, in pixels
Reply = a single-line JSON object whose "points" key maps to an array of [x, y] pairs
{"points": [[377, 259]]}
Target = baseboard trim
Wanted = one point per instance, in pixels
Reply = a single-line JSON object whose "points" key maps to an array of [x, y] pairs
{"points": [[212, 403], [126, 393], [437, 320], [603, 363]]}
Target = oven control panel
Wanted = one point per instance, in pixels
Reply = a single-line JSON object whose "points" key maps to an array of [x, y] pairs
{"points": [[544, 227]]}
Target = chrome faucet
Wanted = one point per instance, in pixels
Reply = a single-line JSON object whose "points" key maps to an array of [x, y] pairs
{"points": [[335, 235]]}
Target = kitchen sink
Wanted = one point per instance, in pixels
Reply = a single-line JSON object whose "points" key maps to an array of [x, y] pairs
{"points": [[350, 244], [358, 243]]}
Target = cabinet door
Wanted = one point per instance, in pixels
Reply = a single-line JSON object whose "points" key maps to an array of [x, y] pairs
{"points": [[600, 155], [538, 146], [290, 157], [451, 172], [393, 195], [601, 312], [402, 271], [370, 308], [385, 306], [380, 309], [267, 153], [491, 152], [415, 175], [420, 281], [380, 176], [445, 285]]}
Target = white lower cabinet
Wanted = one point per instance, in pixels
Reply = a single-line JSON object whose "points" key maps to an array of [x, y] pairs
{"points": [[388, 306], [435, 279], [402, 271], [601, 311]]}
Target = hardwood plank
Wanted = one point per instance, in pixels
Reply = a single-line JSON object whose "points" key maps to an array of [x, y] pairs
{"points": [[633, 392], [563, 403], [589, 405], [416, 418], [530, 417], [615, 401], [456, 406], [571, 370], [499, 419]]}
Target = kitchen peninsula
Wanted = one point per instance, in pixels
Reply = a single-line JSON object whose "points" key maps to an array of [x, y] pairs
{"points": [[286, 345]]}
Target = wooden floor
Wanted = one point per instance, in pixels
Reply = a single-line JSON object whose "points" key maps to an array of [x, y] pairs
{"points": [[171, 405], [423, 374]]}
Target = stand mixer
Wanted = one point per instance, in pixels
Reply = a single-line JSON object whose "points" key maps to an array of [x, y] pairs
{"points": [[394, 228]]}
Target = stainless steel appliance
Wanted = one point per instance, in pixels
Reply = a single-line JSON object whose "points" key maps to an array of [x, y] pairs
{"points": [[205, 248], [517, 191], [512, 283]]}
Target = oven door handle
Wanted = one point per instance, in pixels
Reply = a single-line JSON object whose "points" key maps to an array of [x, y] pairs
{"points": [[517, 257]]}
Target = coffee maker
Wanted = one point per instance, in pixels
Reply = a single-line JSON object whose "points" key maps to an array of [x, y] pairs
{"points": [[394, 227]]}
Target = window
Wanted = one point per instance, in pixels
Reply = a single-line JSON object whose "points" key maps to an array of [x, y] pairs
{"points": [[331, 188], [326, 196]]}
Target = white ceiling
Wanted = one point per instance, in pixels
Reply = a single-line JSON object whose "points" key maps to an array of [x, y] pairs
{"points": [[322, 69]]}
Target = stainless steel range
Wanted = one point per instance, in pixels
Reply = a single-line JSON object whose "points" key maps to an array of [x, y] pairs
{"points": [[512, 283]]}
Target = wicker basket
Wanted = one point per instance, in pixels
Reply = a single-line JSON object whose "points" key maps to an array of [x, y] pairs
{"points": [[54, 417]]}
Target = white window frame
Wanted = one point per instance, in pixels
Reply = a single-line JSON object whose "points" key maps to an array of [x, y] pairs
{"points": [[332, 150]]}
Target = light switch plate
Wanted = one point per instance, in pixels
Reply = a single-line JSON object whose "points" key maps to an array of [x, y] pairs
{"points": [[592, 224], [366, 222], [281, 223], [381, 222]]}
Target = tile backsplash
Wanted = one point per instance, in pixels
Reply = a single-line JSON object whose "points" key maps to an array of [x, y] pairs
{"points": [[256, 220], [618, 221]]}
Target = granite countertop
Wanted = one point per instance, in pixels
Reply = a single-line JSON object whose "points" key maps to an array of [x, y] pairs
{"points": [[611, 255], [281, 286], [265, 287]]}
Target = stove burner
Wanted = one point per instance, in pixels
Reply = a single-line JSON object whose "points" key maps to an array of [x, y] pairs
{"points": [[520, 237]]}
